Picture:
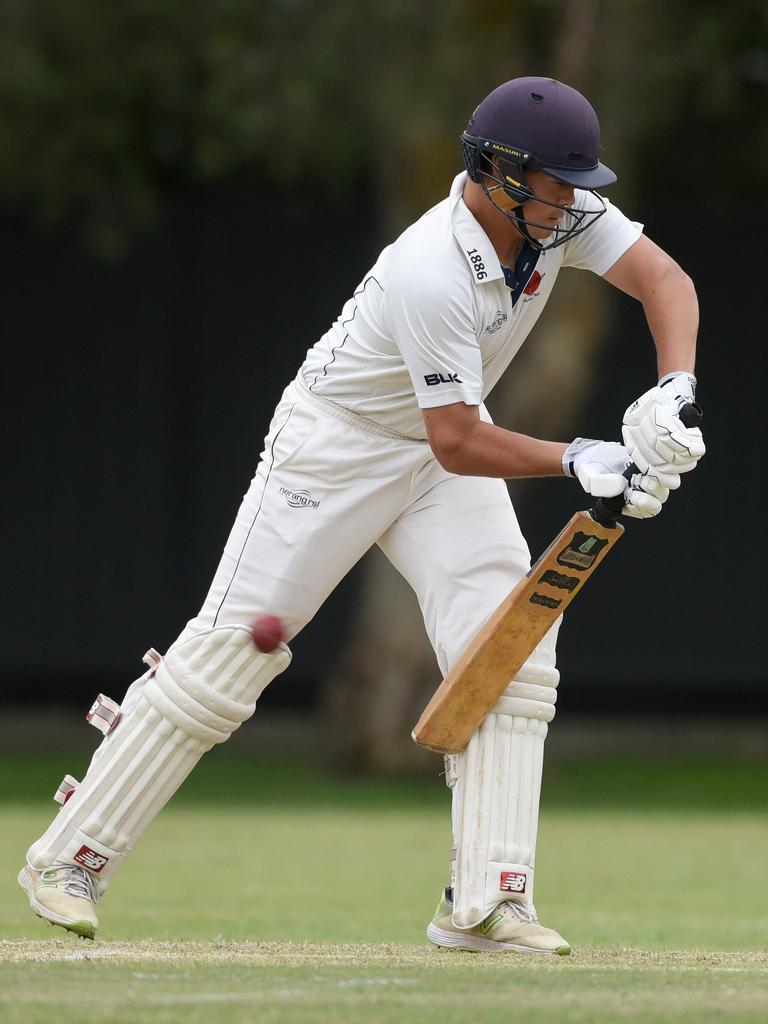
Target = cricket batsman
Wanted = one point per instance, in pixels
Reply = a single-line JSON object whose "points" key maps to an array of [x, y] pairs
{"points": [[383, 438]]}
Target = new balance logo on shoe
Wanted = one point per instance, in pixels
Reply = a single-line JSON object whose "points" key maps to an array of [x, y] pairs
{"points": [[512, 881], [90, 859]]}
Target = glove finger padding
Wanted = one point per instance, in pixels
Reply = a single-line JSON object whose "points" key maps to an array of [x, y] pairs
{"points": [[670, 480], [644, 496], [656, 482], [661, 440], [649, 483], [640, 505], [670, 430], [598, 483]]}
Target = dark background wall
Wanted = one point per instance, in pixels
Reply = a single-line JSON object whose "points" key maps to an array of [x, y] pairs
{"points": [[677, 620], [138, 394]]}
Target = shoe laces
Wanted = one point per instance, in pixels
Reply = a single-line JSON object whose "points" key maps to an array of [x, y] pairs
{"points": [[78, 882], [522, 911]]}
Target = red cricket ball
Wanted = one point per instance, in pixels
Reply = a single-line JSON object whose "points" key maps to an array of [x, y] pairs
{"points": [[267, 632]]}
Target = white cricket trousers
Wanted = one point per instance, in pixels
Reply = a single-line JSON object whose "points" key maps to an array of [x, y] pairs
{"points": [[328, 486]]}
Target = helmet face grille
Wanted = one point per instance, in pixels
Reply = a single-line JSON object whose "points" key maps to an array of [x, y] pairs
{"points": [[510, 177]]}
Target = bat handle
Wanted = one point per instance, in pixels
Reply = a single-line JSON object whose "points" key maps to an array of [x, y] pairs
{"points": [[606, 511]]}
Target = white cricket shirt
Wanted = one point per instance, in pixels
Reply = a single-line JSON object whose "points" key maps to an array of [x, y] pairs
{"points": [[437, 319]]}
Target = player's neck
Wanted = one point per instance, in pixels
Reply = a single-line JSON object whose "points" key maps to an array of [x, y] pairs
{"points": [[504, 236]]}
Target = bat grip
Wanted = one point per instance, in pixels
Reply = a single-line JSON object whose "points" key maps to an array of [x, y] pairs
{"points": [[606, 511]]}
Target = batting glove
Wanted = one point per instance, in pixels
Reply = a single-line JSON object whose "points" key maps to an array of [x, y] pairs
{"points": [[600, 466], [597, 465], [655, 436]]}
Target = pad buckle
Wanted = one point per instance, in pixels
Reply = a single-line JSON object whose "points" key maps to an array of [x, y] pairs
{"points": [[67, 787], [451, 770], [152, 658], [104, 714]]}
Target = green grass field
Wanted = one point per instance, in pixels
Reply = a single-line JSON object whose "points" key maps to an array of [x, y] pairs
{"points": [[271, 891]]}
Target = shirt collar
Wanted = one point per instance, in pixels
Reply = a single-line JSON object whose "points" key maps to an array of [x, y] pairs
{"points": [[473, 240]]}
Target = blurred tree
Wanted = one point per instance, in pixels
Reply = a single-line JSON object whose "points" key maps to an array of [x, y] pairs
{"points": [[109, 108]]}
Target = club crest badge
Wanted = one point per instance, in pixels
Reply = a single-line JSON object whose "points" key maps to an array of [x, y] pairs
{"points": [[497, 323], [533, 283], [582, 551]]}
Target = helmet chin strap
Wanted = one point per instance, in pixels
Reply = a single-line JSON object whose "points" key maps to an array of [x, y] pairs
{"points": [[522, 227]]}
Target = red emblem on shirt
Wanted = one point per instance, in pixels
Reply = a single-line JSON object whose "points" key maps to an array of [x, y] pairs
{"points": [[533, 283]]}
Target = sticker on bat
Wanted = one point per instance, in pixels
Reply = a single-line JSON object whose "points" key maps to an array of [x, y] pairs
{"points": [[559, 580], [582, 551], [548, 602]]}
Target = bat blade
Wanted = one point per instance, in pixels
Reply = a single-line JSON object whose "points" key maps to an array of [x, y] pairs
{"points": [[509, 636]]}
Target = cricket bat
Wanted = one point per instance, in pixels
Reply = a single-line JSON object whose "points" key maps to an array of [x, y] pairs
{"points": [[498, 651]]}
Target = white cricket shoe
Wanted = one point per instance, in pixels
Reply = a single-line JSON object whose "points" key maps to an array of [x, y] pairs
{"points": [[511, 927], [63, 894]]}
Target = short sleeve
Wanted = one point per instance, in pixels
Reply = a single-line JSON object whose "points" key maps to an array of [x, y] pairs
{"points": [[431, 319], [604, 242]]}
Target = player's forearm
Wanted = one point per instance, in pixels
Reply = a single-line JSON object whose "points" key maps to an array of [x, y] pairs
{"points": [[672, 311], [488, 450]]}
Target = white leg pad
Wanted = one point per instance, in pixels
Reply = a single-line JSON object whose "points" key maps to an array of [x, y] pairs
{"points": [[496, 785], [200, 693]]}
